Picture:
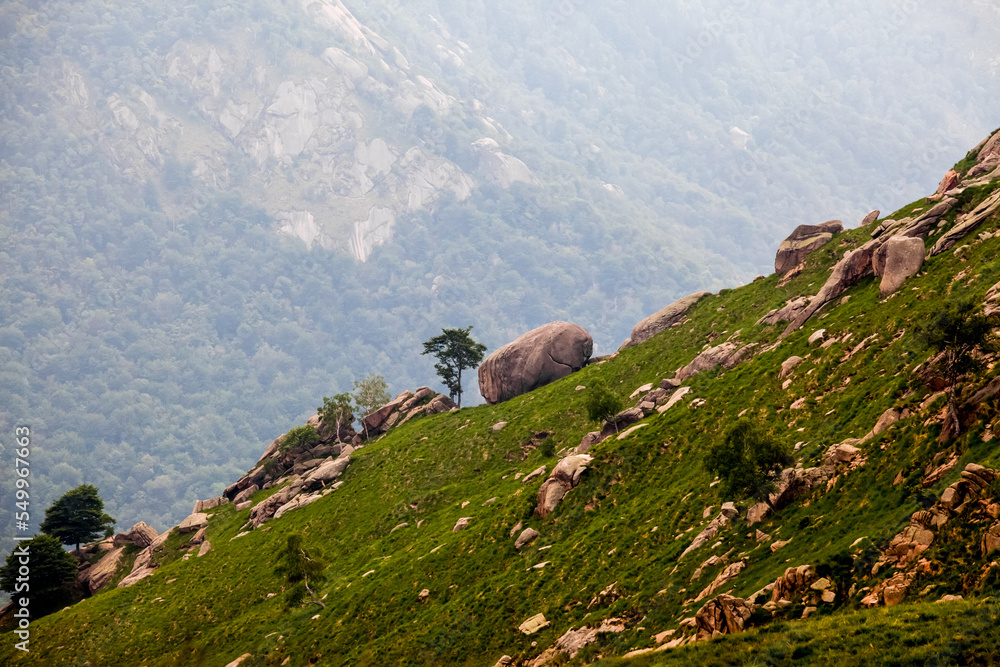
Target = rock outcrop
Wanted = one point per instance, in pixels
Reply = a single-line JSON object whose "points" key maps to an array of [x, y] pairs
{"points": [[564, 477], [401, 409], [967, 224], [140, 535], [663, 319], [802, 242], [533, 360], [724, 615], [97, 575], [855, 265]]}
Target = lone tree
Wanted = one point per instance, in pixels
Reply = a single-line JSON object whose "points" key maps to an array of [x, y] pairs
{"points": [[370, 394], [51, 573], [603, 404], [964, 334], [298, 567], [336, 410], [456, 351], [78, 517], [748, 461]]}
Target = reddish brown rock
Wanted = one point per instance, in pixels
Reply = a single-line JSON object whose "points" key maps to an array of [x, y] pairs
{"points": [[537, 358], [948, 183], [802, 242]]}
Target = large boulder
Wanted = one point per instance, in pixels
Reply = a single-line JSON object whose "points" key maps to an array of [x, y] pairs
{"points": [[900, 258], [802, 242], [663, 319], [537, 358]]}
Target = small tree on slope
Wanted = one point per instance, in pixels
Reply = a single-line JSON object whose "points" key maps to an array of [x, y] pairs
{"points": [[964, 334], [748, 461], [78, 517], [456, 351]]}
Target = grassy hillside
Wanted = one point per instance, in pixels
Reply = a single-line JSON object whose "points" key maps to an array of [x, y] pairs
{"points": [[612, 547]]}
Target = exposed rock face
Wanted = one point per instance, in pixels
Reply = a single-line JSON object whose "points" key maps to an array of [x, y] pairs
{"points": [[901, 257], [724, 615], [535, 359], [564, 477], [663, 319], [802, 242], [855, 265], [990, 148], [574, 641], [98, 574], [924, 223], [401, 409], [144, 565]]}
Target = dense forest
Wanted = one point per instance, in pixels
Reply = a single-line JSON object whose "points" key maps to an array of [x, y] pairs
{"points": [[156, 329]]}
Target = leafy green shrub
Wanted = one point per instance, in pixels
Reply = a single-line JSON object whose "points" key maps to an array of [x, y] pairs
{"points": [[601, 403], [302, 435]]}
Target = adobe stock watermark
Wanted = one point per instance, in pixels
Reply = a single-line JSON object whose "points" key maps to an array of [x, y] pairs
{"points": [[21, 557]]}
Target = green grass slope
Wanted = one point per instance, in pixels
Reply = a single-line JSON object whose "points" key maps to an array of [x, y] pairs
{"points": [[623, 528]]}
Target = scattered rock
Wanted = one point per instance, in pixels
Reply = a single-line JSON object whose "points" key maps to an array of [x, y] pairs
{"points": [[205, 547], [525, 537], [461, 524], [534, 624], [564, 477], [662, 319], [499, 426], [588, 441], [246, 494], [786, 313], [728, 355], [817, 336], [674, 399], [992, 303], [788, 365], [802, 242], [423, 595], [534, 474], [239, 661], [537, 358]]}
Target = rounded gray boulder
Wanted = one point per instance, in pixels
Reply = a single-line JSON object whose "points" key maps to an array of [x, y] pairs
{"points": [[537, 358]]}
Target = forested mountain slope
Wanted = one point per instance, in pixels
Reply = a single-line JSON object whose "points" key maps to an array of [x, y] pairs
{"points": [[214, 214]]}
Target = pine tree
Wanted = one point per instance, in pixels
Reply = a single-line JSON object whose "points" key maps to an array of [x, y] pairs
{"points": [[78, 517]]}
